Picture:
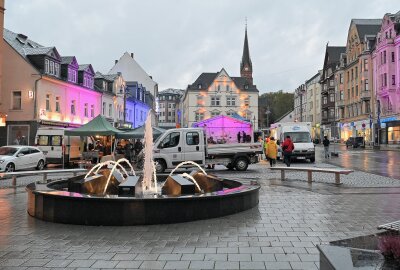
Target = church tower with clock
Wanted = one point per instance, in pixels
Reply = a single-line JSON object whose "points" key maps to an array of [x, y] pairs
{"points": [[246, 67]]}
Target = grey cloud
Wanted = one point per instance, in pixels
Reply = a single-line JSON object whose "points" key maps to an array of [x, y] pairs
{"points": [[176, 40]]}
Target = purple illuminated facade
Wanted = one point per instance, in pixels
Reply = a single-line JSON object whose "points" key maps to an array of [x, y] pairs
{"points": [[386, 64]]}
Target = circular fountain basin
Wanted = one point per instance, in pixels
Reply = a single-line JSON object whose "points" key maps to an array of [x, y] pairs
{"points": [[51, 202]]}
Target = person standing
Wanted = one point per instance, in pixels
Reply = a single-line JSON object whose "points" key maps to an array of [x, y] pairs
{"points": [[265, 147], [244, 136], [272, 151], [326, 143], [238, 137], [287, 148]]}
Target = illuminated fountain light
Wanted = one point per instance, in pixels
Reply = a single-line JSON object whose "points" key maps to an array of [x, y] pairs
{"points": [[149, 182]]}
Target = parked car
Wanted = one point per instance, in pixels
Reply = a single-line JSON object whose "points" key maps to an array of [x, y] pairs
{"points": [[355, 142], [19, 157]]}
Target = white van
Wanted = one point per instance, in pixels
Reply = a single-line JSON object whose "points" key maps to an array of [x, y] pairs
{"points": [[57, 147]]}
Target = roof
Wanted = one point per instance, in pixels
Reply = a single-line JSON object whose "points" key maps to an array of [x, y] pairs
{"points": [[19, 42], [246, 53], [138, 133], [67, 59], [366, 27], [38, 51], [97, 126], [215, 118], [334, 53], [87, 68], [172, 91], [207, 78]]}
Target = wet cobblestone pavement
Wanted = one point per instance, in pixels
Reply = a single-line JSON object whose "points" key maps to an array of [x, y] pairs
{"points": [[281, 233]]}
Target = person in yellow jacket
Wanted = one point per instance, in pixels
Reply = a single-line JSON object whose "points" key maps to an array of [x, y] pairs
{"points": [[271, 151]]}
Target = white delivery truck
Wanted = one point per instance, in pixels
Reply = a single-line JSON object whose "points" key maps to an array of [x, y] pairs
{"points": [[300, 133], [57, 147], [189, 144]]}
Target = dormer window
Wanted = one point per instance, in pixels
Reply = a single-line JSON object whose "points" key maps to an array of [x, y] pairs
{"points": [[72, 75], [246, 86], [199, 85], [51, 67]]}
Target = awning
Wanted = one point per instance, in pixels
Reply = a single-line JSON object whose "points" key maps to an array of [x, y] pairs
{"points": [[98, 126], [138, 133]]}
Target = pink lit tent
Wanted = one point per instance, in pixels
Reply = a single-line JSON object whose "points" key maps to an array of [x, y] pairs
{"points": [[224, 128]]}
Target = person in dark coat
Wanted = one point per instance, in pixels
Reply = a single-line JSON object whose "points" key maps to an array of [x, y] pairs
{"points": [[244, 136], [238, 137]]}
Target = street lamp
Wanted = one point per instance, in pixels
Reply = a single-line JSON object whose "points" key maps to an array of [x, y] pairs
{"points": [[267, 113]]}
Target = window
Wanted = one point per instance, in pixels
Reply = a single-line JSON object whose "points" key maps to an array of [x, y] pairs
{"points": [[247, 101], [352, 74], [385, 79], [356, 90], [46, 66], [171, 140], [56, 140], [48, 103], [215, 101], [341, 78], [57, 69], [384, 57], [227, 88], [392, 57], [366, 87], [17, 100], [43, 140], [352, 92], [325, 100], [356, 71], [215, 113], [348, 93], [58, 104], [73, 105], [104, 108], [331, 112], [230, 101], [200, 100], [366, 64], [86, 109], [341, 95], [92, 110], [331, 83], [393, 80], [51, 68], [109, 110], [199, 116], [332, 98], [24, 151], [192, 138]]}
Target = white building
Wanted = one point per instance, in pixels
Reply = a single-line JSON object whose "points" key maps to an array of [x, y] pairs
{"points": [[313, 113], [217, 93]]}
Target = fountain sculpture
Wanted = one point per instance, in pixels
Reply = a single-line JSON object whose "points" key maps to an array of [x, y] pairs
{"points": [[109, 194]]}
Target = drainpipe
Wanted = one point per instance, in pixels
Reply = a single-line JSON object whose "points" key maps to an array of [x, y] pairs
{"points": [[34, 96]]}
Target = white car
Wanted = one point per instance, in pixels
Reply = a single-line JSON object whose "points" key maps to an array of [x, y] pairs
{"points": [[19, 157]]}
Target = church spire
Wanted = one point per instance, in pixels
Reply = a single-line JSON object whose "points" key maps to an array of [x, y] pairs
{"points": [[246, 67]]}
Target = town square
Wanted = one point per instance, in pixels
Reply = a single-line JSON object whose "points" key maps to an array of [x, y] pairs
{"points": [[199, 135]]}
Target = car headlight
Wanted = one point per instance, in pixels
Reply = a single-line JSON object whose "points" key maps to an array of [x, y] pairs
{"points": [[311, 149], [1, 161]]}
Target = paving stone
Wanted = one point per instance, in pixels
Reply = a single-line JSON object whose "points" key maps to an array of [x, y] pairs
{"points": [[58, 263], [36, 262], [12, 262], [278, 265], [128, 264], [304, 265], [287, 257], [201, 265], [82, 263], [252, 265], [146, 257], [216, 257], [177, 265], [239, 257], [152, 265], [104, 264], [226, 265], [263, 257], [192, 257]]}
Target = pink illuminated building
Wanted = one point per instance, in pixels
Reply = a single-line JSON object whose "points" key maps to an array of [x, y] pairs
{"points": [[43, 89], [386, 64]]}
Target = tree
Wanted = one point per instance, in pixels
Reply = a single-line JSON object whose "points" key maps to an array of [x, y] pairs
{"points": [[276, 105]]}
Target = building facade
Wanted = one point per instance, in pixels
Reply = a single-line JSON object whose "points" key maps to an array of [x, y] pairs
{"points": [[328, 108], [313, 107], [138, 80], [300, 104], [386, 81], [357, 79], [218, 93], [168, 108], [38, 92]]}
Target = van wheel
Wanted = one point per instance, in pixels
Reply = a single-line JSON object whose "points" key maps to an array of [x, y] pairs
{"points": [[10, 167], [160, 166], [241, 164], [40, 165]]}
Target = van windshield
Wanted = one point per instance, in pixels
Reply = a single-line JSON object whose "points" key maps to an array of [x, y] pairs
{"points": [[299, 137]]}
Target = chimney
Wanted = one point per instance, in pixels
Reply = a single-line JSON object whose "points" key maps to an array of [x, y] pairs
{"points": [[132, 55], [116, 61]]}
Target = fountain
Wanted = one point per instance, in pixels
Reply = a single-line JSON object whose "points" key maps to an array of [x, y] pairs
{"points": [[109, 194]]}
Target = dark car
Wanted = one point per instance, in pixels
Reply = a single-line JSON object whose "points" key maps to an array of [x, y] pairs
{"points": [[355, 142]]}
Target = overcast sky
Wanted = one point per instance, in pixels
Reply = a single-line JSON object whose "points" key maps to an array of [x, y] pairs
{"points": [[176, 40]]}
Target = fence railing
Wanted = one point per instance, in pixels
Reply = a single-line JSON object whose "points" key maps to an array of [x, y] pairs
{"points": [[44, 173]]}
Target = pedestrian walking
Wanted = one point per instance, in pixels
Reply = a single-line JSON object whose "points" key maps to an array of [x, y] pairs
{"points": [[326, 143], [272, 151], [287, 148], [238, 137]]}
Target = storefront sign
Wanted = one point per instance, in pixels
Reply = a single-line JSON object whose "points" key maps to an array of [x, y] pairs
{"points": [[388, 119]]}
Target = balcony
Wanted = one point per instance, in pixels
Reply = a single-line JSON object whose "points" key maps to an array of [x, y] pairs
{"points": [[365, 95], [340, 103]]}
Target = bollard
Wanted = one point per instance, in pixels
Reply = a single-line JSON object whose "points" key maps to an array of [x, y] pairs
{"points": [[44, 178], [14, 181]]}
